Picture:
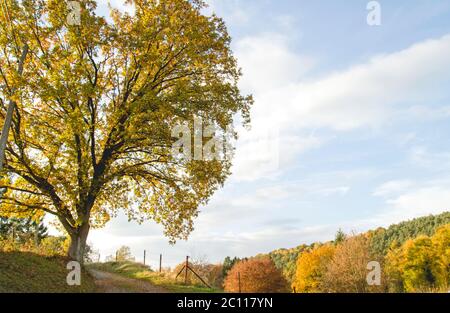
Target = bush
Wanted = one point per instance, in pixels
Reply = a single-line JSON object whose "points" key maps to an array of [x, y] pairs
{"points": [[54, 246], [256, 275], [210, 273]]}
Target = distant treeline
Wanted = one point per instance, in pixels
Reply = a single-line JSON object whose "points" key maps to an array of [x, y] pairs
{"points": [[381, 240]]}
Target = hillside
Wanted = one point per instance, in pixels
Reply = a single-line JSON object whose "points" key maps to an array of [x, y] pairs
{"points": [[29, 272], [286, 259], [383, 238]]}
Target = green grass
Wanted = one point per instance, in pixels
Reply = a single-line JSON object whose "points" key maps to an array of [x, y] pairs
{"points": [[140, 271], [29, 272]]}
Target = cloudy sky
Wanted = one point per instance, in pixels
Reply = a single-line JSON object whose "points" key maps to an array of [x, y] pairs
{"points": [[350, 128]]}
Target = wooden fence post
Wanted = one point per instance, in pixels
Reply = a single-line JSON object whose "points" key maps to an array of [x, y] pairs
{"points": [[144, 256], [160, 262], [187, 268]]}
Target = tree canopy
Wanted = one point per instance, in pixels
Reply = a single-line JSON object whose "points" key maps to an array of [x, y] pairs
{"points": [[311, 267], [382, 239], [420, 264], [96, 105]]}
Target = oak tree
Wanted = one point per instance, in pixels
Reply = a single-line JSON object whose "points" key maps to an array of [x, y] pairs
{"points": [[91, 131]]}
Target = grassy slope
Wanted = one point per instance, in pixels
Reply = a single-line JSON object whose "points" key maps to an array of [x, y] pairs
{"points": [[140, 271], [28, 272]]}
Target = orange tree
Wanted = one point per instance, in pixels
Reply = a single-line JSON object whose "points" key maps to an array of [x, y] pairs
{"points": [[96, 104], [255, 275]]}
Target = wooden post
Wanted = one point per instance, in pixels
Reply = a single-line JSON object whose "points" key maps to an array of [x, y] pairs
{"points": [[160, 262], [186, 268], [116, 255], [295, 290], [144, 256], [239, 281]]}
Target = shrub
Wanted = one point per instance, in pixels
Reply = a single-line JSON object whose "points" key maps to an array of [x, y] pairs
{"points": [[210, 273], [256, 275], [54, 246]]}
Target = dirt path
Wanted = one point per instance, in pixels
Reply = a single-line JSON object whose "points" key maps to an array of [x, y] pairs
{"points": [[113, 283]]}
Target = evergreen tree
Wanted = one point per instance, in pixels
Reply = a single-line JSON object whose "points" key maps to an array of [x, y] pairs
{"points": [[400, 233], [228, 263], [22, 229], [340, 237]]}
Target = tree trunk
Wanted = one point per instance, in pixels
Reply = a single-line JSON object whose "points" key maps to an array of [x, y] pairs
{"points": [[78, 243]]}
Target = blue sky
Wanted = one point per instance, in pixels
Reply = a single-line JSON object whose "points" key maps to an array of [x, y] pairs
{"points": [[350, 128]]}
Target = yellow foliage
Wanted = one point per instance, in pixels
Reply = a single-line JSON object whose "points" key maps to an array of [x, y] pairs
{"points": [[96, 107], [441, 242], [420, 264], [311, 267]]}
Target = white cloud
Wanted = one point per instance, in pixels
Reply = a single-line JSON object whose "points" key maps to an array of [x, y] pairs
{"points": [[423, 157], [370, 94], [420, 202], [268, 62], [232, 11], [263, 152], [385, 89], [429, 113], [393, 187], [406, 199]]}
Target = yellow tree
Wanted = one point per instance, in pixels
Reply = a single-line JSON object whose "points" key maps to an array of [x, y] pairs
{"points": [[441, 243], [311, 268], [96, 106], [415, 266]]}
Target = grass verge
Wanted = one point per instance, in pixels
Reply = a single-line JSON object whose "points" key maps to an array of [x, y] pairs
{"points": [[26, 272]]}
